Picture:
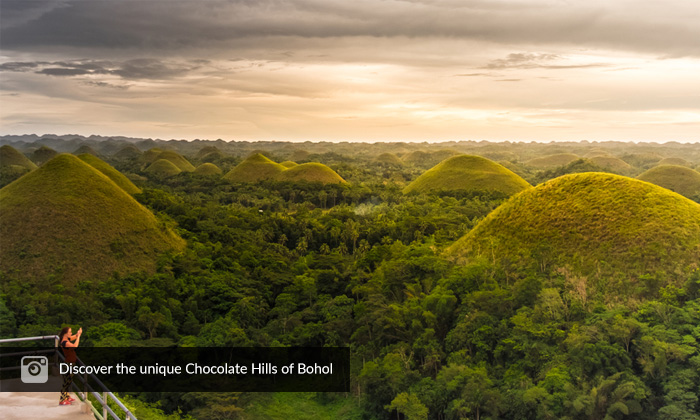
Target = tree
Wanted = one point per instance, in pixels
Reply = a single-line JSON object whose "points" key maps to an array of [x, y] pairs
{"points": [[409, 405]]}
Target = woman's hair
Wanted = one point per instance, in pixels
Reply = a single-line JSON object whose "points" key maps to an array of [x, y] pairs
{"points": [[63, 332]]}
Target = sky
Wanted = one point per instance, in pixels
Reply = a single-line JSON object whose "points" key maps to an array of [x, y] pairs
{"points": [[361, 70]]}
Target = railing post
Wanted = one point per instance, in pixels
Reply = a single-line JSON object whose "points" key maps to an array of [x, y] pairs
{"points": [[105, 403], [85, 388]]}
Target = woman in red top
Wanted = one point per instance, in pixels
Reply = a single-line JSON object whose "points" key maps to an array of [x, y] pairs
{"points": [[68, 342]]}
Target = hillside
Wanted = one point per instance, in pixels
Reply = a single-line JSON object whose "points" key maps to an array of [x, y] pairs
{"points": [[680, 179], [128, 152], [68, 219], [206, 150], [151, 155], [117, 177], [468, 173], [177, 159], [255, 168], [675, 161], [611, 163], [388, 159], [550, 161], [208, 169], [606, 228], [11, 156], [85, 149], [42, 155], [311, 172], [288, 164], [162, 168]]}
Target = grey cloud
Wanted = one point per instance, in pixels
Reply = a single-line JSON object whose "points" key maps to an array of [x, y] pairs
{"points": [[142, 68], [665, 29], [59, 71], [533, 61]]}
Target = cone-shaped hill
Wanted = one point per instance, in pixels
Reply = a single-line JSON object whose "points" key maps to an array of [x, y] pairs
{"points": [[311, 172], [602, 228], [151, 155], [162, 168], [680, 179], [611, 163], [288, 164], [468, 173], [85, 149], [128, 152], [68, 219], [388, 159], [11, 156], [207, 150], [675, 161], [177, 159], [207, 169], [551, 161], [255, 168], [111, 173], [43, 154]]}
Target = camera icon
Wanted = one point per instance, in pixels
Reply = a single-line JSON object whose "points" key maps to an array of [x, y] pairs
{"points": [[35, 369]]}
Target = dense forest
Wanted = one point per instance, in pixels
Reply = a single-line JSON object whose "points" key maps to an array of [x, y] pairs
{"points": [[363, 263]]}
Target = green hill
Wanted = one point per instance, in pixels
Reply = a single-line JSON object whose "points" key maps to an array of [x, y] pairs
{"points": [[642, 160], [288, 164], [550, 161], [68, 219], [606, 229], [675, 161], [680, 179], [388, 159], [11, 156], [208, 169], [85, 149], [612, 163], [43, 154], [255, 168], [162, 168], [206, 150], [128, 152], [311, 172], [151, 155], [427, 159], [178, 160], [468, 173], [113, 174]]}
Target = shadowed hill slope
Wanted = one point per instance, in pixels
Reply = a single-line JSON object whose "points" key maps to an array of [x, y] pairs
{"points": [[680, 179], [311, 172], [11, 156], [162, 168], [255, 168], [208, 169], [117, 177]]}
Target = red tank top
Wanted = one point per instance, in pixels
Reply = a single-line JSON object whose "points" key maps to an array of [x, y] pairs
{"points": [[69, 352]]}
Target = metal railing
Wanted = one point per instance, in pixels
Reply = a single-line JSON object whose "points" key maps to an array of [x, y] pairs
{"points": [[102, 396]]}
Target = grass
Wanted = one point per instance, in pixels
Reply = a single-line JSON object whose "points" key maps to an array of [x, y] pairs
{"points": [[253, 169], [300, 406], [43, 154], [311, 172], [207, 150], [208, 169], [117, 177], [675, 161], [550, 161], [11, 156], [608, 229], [163, 168], [69, 220], [85, 149], [612, 163], [288, 164], [128, 152], [178, 160], [388, 159], [680, 179], [468, 173]]}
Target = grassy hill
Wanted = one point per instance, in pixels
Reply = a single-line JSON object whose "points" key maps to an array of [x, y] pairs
{"points": [[612, 163], [255, 168], [311, 172], [288, 164], [206, 150], [427, 159], [128, 152], [85, 149], [680, 179], [70, 220], [117, 177], [177, 159], [151, 155], [11, 156], [43, 154], [388, 159], [675, 161], [550, 161], [208, 169], [468, 173], [162, 168], [606, 229]]}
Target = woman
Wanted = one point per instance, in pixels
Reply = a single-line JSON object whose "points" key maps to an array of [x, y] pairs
{"points": [[68, 343]]}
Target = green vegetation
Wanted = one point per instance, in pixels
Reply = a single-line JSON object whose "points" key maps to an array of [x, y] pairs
{"points": [[288, 164], [151, 155], [422, 158], [550, 161], [85, 149], [593, 226], [208, 169], [310, 172], [207, 150], [162, 168], [675, 161], [117, 177], [468, 173], [66, 222], [42, 155], [128, 152], [177, 159], [680, 179], [388, 159], [255, 168], [10, 156]]}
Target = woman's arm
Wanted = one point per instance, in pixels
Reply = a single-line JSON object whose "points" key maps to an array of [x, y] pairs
{"points": [[75, 337]]}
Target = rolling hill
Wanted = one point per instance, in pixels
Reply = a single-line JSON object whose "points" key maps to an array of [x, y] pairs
{"points": [[675, 161], [606, 229], [69, 220], [11, 156], [255, 168], [128, 152], [208, 169], [550, 161], [288, 164], [388, 159], [117, 177], [311, 172], [611, 163], [177, 159], [162, 168], [43, 154], [467, 173], [684, 181]]}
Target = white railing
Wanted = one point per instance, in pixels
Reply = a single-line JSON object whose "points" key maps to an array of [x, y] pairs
{"points": [[103, 396]]}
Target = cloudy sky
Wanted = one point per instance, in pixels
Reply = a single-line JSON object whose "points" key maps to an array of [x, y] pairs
{"points": [[363, 70]]}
